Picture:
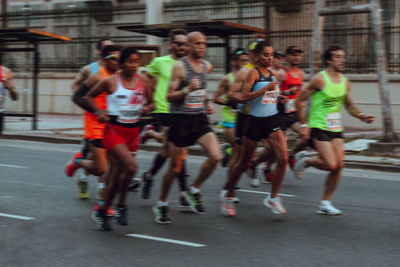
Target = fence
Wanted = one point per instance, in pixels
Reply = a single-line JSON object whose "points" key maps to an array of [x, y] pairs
{"points": [[287, 22]]}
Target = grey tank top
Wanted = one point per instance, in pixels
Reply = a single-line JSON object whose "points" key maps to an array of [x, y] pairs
{"points": [[194, 102]]}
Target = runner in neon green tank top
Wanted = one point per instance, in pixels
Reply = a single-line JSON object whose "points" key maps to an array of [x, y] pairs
{"points": [[329, 91], [229, 110]]}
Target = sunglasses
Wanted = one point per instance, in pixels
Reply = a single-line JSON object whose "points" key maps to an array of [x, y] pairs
{"points": [[112, 57], [179, 44]]}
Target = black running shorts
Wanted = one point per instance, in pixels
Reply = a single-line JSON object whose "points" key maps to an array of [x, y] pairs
{"points": [[286, 120], [96, 143], [261, 127], [185, 129], [163, 119], [241, 125], [322, 135]]}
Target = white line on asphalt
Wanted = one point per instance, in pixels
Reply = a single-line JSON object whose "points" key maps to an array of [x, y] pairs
{"points": [[16, 217], [263, 193], [167, 240], [13, 166]]}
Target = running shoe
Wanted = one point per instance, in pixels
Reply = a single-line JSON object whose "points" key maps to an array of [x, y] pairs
{"points": [[183, 204], [101, 219], [161, 214], [134, 185], [268, 176], [71, 166], [121, 215], [300, 166], [327, 208], [83, 189], [251, 172], [195, 201], [100, 193], [145, 135], [97, 207], [236, 200], [147, 184], [275, 204], [227, 204]]}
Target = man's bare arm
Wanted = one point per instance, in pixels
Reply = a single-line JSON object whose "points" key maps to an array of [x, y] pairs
{"points": [[316, 83], [235, 89], [352, 108], [83, 74], [223, 87], [177, 76], [9, 84]]}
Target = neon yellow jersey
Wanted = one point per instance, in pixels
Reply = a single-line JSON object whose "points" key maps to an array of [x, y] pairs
{"points": [[229, 114], [327, 104], [161, 67]]}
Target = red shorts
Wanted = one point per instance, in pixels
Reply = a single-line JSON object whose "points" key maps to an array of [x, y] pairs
{"points": [[115, 135]]}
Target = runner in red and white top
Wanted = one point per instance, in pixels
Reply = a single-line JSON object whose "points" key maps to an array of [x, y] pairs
{"points": [[129, 97]]}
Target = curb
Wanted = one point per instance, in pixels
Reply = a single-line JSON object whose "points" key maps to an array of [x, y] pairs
{"points": [[191, 151]]}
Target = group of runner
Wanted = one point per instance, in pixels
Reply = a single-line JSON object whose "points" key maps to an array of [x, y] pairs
{"points": [[261, 98]]}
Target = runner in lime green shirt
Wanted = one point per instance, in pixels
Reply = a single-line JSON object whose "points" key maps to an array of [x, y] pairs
{"points": [[159, 70], [329, 90]]}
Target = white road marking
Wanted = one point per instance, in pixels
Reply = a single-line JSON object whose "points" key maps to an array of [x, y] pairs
{"points": [[13, 166], [16, 217], [263, 193], [184, 243]]}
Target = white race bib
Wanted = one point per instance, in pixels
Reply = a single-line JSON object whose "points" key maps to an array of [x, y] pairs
{"points": [[129, 113], [195, 99], [270, 97], [290, 106], [334, 121]]}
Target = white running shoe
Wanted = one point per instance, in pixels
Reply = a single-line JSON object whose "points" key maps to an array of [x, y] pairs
{"points": [[300, 166], [227, 204], [254, 182], [236, 200], [275, 204], [327, 208]]}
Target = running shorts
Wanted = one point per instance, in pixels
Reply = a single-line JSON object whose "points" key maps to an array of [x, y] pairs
{"points": [[97, 143], [163, 119], [185, 130], [115, 135], [322, 135], [241, 125], [286, 120], [261, 127]]}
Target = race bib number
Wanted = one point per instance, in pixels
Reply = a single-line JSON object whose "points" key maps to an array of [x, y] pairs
{"points": [[290, 106], [334, 121], [129, 113], [270, 97], [195, 99]]}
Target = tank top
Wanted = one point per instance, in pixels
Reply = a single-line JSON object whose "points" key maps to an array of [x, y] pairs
{"points": [[264, 105], [125, 105], [245, 107], [194, 102], [94, 67], [228, 113], [93, 128], [289, 83], [2, 91], [326, 105]]}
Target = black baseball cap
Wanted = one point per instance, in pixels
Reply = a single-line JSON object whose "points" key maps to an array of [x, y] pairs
{"points": [[293, 49], [278, 54]]}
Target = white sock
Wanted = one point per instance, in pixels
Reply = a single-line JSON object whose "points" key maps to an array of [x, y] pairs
{"points": [[161, 203], [325, 202], [100, 186], [194, 190], [82, 176]]}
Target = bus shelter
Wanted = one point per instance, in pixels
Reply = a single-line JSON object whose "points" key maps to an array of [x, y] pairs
{"points": [[32, 38]]}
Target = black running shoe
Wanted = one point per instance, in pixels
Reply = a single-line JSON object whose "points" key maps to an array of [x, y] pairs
{"points": [[183, 204], [101, 219], [195, 201], [134, 185], [147, 184], [161, 214], [120, 215]]}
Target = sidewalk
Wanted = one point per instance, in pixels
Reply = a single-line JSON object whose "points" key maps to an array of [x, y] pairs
{"points": [[54, 128]]}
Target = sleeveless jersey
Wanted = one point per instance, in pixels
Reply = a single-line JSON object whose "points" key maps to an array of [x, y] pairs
{"points": [[264, 105], [326, 105], [94, 67], [228, 113], [93, 128], [194, 102], [3, 94], [289, 83], [125, 105], [245, 107]]}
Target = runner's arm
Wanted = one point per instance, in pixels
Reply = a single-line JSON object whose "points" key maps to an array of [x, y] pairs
{"points": [[174, 94], [83, 74], [78, 96], [9, 84], [315, 84], [352, 108], [148, 87], [235, 89], [223, 87]]}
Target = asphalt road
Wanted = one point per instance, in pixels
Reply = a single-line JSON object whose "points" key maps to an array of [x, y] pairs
{"points": [[56, 229]]}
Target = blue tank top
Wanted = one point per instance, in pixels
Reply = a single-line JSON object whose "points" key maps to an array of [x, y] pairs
{"points": [[94, 67], [265, 105]]}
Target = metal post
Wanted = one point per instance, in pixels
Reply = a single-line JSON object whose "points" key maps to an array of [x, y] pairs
{"points": [[227, 55], [35, 85], [380, 53], [316, 38], [4, 4]]}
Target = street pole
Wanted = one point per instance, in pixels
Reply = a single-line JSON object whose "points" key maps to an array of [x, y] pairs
{"points": [[4, 4]]}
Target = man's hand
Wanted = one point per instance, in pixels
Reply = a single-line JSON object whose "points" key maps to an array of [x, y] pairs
{"points": [[304, 132], [283, 99], [368, 118], [194, 84], [210, 109], [102, 116], [146, 110], [270, 87]]}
